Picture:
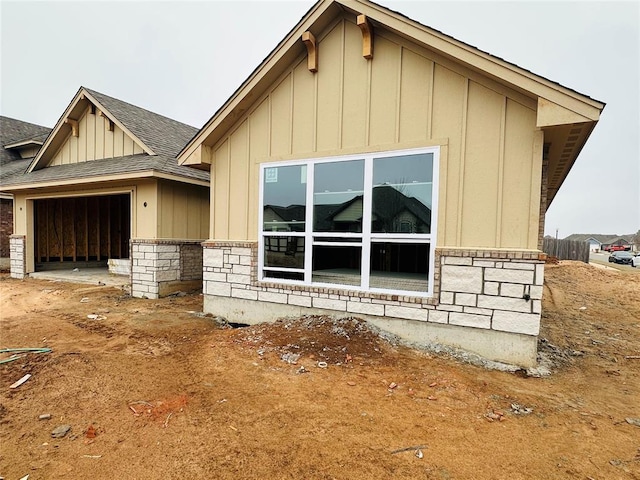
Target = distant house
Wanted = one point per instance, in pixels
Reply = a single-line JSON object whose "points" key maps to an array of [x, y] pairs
{"points": [[412, 170], [19, 142], [105, 188], [599, 242]]}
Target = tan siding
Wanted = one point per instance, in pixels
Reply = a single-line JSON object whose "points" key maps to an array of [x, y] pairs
{"points": [[384, 87], [482, 159], [259, 133], [449, 106], [73, 148], [82, 139], [303, 122], [258, 152], [281, 118], [100, 137], [94, 142], [329, 87], [221, 201], [516, 187], [128, 146], [90, 132], [355, 101], [108, 142], [166, 199], [415, 92], [183, 211], [239, 174], [118, 142]]}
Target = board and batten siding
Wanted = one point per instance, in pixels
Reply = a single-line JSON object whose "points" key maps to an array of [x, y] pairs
{"points": [[405, 97], [94, 142], [183, 211]]}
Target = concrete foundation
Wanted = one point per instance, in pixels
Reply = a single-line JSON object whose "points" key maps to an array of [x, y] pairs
{"points": [[511, 348]]}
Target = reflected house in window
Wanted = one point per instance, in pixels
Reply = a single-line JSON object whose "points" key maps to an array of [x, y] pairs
{"points": [[393, 212], [284, 219], [402, 177]]}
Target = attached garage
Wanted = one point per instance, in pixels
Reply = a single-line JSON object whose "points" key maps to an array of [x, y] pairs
{"points": [[106, 189], [81, 231]]}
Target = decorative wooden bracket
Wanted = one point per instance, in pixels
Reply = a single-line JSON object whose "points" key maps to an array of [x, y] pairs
{"points": [[107, 121], [74, 126], [367, 36], [312, 52]]}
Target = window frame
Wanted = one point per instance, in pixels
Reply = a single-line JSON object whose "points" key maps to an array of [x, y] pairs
{"points": [[366, 237]]}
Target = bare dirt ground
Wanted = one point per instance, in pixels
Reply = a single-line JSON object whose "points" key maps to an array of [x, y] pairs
{"points": [[152, 391]]}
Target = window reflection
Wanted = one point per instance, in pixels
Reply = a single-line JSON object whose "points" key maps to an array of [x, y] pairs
{"points": [[401, 196], [284, 252], [284, 198], [337, 196]]}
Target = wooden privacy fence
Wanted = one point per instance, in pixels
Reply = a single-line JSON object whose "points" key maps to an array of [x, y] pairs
{"points": [[566, 249]]}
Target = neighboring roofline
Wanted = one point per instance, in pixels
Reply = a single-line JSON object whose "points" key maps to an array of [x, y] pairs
{"points": [[22, 143], [81, 94], [474, 58], [149, 173]]}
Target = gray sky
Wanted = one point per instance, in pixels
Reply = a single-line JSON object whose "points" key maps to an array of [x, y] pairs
{"points": [[184, 59]]}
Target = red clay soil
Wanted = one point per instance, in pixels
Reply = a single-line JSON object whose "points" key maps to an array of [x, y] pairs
{"points": [[152, 390]]}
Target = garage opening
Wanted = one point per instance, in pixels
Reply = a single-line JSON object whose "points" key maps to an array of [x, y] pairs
{"points": [[81, 231]]}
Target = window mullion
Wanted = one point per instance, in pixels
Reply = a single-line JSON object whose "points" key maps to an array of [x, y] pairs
{"points": [[308, 231], [366, 222]]}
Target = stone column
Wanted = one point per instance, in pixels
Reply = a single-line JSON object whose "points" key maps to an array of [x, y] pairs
{"points": [[17, 248]]}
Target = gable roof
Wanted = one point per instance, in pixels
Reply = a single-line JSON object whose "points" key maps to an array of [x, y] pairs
{"points": [[156, 134], [163, 135], [14, 131], [560, 108]]}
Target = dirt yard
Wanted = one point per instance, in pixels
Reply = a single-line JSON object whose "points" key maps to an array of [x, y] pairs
{"points": [[152, 390]]}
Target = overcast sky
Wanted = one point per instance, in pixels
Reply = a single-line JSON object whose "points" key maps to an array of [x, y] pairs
{"points": [[184, 59]]}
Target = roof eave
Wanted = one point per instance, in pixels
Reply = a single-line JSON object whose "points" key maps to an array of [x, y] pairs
{"points": [[118, 177]]}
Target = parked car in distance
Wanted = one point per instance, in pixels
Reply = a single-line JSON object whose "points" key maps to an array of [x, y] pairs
{"points": [[621, 257], [617, 248], [635, 261]]}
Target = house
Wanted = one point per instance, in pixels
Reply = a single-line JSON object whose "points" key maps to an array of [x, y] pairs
{"points": [[599, 242], [105, 187], [19, 142], [470, 150]]}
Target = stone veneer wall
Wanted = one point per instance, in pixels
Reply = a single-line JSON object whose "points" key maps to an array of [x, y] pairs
{"points": [[483, 290], [17, 246], [161, 267]]}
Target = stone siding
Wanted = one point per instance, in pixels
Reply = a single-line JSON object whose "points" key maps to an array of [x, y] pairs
{"points": [[17, 247], [160, 267], [492, 290]]}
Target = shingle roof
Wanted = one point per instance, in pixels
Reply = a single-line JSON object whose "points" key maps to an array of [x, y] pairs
{"points": [[161, 134], [107, 166], [604, 239], [13, 167], [12, 131]]}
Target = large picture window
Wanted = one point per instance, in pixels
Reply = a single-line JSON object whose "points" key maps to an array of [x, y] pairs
{"points": [[365, 222]]}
